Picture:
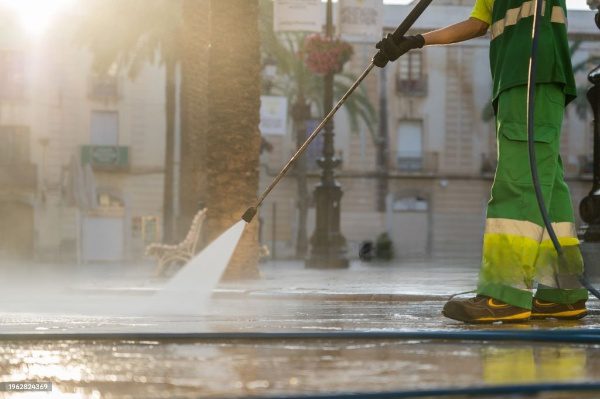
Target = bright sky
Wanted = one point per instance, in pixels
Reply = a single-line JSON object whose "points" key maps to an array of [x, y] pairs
{"points": [[36, 15], [571, 4]]}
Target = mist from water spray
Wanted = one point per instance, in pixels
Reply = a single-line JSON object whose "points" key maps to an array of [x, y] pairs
{"points": [[189, 291]]}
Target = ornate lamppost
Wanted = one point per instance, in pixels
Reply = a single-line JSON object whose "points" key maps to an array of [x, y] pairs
{"points": [[589, 208], [328, 245], [300, 114]]}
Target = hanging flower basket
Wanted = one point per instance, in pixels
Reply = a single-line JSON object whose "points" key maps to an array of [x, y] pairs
{"points": [[323, 55]]}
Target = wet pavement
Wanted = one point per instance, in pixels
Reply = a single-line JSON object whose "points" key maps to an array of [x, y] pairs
{"points": [[372, 297], [165, 370]]}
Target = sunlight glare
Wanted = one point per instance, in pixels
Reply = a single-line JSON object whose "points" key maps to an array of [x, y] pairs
{"points": [[36, 15]]}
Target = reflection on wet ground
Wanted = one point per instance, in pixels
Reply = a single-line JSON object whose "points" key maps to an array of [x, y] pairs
{"points": [[361, 299], [165, 370], [175, 369]]}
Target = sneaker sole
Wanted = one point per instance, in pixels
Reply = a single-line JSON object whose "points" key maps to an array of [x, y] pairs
{"points": [[566, 315], [525, 316]]}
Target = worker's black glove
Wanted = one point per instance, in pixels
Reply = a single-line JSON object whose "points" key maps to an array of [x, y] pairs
{"points": [[390, 50]]}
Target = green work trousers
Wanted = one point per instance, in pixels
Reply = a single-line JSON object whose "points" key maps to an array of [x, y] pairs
{"points": [[517, 250]]}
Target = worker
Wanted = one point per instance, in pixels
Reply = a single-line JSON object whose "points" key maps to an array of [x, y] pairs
{"points": [[517, 250]]}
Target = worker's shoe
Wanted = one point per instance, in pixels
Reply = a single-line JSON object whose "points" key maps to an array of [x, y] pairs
{"points": [[483, 309], [543, 310]]}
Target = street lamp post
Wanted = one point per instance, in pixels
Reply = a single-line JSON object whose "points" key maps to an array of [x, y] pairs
{"points": [[589, 208], [300, 114], [328, 245]]}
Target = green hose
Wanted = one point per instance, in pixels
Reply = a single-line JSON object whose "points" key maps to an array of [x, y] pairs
{"points": [[531, 83], [523, 389], [574, 336]]}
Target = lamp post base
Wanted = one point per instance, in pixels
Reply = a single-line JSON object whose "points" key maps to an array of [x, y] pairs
{"points": [[328, 245], [590, 234], [590, 250]]}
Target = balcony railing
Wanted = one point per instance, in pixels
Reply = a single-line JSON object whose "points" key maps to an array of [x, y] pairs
{"points": [[426, 162], [409, 164], [20, 176], [105, 157], [411, 87], [103, 88]]}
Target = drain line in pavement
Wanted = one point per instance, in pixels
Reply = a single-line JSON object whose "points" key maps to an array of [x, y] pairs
{"points": [[575, 336], [524, 389]]}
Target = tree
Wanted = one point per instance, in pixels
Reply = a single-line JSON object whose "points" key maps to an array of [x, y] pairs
{"points": [[304, 91], [217, 44], [295, 80], [195, 44], [221, 99], [129, 34]]}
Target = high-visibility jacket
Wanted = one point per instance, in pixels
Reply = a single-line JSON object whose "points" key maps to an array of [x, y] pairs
{"points": [[510, 46]]}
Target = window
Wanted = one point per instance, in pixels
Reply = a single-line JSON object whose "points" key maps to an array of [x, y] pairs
{"points": [[104, 128], [14, 145], [12, 75], [411, 79], [409, 146]]}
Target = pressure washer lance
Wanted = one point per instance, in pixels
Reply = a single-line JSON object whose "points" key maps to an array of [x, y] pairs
{"points": [[408, 22], [531, 83]]}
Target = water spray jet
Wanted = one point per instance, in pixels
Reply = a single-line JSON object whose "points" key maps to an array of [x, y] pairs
{"points": [[189, 291]]}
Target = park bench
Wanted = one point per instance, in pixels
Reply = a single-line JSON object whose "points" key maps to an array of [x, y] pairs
{"points": [[169, 256]]}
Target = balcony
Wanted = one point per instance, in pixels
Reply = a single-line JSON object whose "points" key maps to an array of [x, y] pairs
{"points": [[104, 88], [426, 162], [106, 157], [416, 88], [409, 164], [18, 176]]}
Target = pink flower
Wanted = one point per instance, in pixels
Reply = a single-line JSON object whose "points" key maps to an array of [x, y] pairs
{"points": [[323, 55]]}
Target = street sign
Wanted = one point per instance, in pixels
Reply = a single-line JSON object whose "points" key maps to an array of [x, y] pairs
{"points": [[298, 16], [273, 115], [361, 20]]}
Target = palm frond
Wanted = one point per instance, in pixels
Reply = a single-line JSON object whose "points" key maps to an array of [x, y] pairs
{"points": [[296, 79], [140, 32]]}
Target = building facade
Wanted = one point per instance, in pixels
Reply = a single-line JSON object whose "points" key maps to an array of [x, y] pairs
{"points": [[440, 143], [81, 155]]}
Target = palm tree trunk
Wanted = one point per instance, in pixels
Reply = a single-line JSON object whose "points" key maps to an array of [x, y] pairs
{"points": [[170, 110], [233, 140], [194, 108]]}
